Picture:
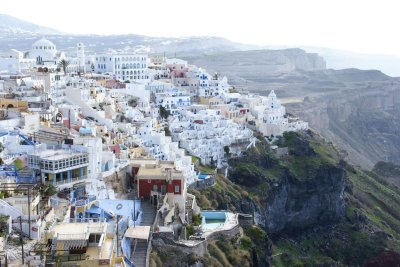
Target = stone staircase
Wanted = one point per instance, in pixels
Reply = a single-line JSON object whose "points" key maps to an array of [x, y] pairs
{"points": [[140, 253]]}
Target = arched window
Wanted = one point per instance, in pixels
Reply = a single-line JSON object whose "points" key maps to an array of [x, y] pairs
{"points": [[134, 65], [131, 73], [131, 66], [123, 65]]}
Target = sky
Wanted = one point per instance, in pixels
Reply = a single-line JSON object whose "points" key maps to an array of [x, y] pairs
{"points": [[362, 26]]}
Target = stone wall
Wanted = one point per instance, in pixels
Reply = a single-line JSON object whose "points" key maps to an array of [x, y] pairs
{"points": [[235, 231], [281, 152], [203, 184], [245, 220], [183, 254], [118, 181]]}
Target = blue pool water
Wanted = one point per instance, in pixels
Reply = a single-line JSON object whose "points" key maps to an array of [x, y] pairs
{"points": [[203, 176], [213, 219]]}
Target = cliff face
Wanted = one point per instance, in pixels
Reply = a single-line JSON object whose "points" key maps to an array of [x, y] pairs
{"points": [[293, 205], [274, 62], [303, 60], [317, 209], [363, 120], [299, 191]]}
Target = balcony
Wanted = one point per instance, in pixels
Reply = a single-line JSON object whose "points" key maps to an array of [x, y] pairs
{"points": [[64, 183]]}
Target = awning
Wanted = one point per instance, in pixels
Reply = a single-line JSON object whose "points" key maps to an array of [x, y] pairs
{"points": [[74, 244], [138, 232]]}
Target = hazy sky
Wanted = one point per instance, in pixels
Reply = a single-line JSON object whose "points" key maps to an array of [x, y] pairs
{"points": [[356, 25]]}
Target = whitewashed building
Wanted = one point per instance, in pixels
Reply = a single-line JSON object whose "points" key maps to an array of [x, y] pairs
{"points": [[207, 133], [124, 67], [45, 53], [271, 117]]}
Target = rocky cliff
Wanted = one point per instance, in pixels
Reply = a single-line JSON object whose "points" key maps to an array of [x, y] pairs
{"points": [[317, 209], [293, 205], [299, 191], [276, 62], [363, 118]]}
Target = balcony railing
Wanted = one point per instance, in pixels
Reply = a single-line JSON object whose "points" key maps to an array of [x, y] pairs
{"points": [[66, 181], [65, 258]]}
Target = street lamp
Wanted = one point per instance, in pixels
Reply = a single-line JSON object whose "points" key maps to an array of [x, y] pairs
{"points": [[21, 239]]}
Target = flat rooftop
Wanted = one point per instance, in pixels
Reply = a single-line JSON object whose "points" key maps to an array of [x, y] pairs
{"points": [[58, 154], [70, 231], [159, 170], [149, 171], [138, 232]]}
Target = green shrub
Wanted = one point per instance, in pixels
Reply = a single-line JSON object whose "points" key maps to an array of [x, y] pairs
{"points": [[245, 243], [197, 219], [189, 230]]}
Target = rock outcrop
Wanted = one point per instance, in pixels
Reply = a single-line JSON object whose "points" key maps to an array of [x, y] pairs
{"points": [[294, 204], [301, 191]]}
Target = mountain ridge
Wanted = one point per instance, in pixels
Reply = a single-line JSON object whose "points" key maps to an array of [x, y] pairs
{"points": [[190, 45], [13, 25]]}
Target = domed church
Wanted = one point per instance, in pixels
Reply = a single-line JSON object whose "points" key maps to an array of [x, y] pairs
{"points": [[45, 53]]}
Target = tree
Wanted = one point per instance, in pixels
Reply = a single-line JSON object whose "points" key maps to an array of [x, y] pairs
{"points": [[133, 102], [63, 64], [227, 151], [167, 131], [164, 113]]}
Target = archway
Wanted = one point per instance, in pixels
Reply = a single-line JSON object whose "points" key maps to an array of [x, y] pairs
{"points": [[59, 117]]}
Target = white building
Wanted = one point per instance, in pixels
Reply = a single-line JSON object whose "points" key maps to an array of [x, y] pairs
{"points": [[45, 53], [13, 62], [124, 67], [161, 147], [270, 115], [172, 102], [207, 133], [78, 64]]}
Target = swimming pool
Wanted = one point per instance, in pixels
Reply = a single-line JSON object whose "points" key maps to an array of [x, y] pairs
{"points": [[213, 219], [203, 176]]}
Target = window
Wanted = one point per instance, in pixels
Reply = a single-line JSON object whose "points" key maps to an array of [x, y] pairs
{"points": [[94, 238], [176, 188], [155, 188], [163, 189]]}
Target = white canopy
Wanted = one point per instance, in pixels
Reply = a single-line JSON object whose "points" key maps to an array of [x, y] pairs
{"points": [[138, 232]]}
